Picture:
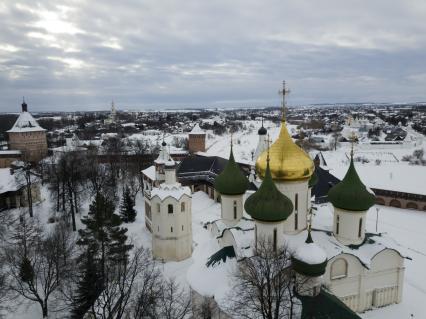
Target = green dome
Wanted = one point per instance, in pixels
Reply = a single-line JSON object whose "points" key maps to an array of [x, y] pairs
{"points": [[313, 180], [268, 203], [351, 194], [231, 181], [309, 259]]}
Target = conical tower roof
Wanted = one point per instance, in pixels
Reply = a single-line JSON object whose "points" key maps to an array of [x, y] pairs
{"points": [[351, 194], [231, 181], [268, 203], [288, 161]]}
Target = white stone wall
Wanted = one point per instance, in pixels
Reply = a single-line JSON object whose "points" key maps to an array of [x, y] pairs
{"points": [[262, 145], [362, 289], [290, 189], [265, 231], [172, 233], [228, 202], [348, 229]]}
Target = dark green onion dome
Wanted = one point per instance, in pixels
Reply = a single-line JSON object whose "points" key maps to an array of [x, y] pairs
{"points": [[262, 131], [268, 203], [351, 194], [309, 259], [313, 180], [231, 181]]}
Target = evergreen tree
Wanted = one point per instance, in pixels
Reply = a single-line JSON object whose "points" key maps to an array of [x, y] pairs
{"points": [[127, 212], [106, 250], [103, 234], [89, 286]]}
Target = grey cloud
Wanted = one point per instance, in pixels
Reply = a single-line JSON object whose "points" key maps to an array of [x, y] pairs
{"points": [[215, 53]]}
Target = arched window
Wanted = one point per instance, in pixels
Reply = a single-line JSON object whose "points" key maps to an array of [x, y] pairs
{"points": [[339, 269], [235, 209], [158, 208], [182, 207], [337, 224], [170, 208], [360, 228], [171, 229]]}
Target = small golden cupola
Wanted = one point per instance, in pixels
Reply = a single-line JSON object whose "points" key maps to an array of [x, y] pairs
{"points": [[288, 162]]}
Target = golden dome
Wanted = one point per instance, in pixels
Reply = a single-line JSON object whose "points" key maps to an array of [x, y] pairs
{"points": [[287, 160]]}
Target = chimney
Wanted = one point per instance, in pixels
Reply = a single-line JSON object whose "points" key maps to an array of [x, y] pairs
{"points": [[24, 106]]}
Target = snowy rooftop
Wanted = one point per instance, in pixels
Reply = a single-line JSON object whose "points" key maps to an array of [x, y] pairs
{"points": [[149, 172], [197, 130], [175, 191], [25, 123]]}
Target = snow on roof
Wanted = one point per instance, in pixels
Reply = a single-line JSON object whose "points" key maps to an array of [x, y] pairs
{"points": [[175, 191], [215, 281], [197, 130], [393, 176], [13, 182], [25, 123], [7, 181], [10, 152], [149, 172], [310, 253]]}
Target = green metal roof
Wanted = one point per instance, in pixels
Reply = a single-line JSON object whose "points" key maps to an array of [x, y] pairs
{"points": [[268, 203], [231, 181], [325, 305], [351, 194]]}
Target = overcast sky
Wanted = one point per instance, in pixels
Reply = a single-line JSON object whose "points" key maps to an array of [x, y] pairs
{"points": [[161, 53]]}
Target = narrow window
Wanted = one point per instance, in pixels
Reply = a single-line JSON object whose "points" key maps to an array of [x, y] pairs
{"points": [[182, 207], [235, 209], [158, 229], [360, 228], [275, 239], [170, 208], [337, 224], [171, 229], [296, 220], [255, 235], [158, 208], [296, 202], [182, 227]]}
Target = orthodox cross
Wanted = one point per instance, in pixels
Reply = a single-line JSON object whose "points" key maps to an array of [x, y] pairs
{"points": [[353, 139], [284, 92]]}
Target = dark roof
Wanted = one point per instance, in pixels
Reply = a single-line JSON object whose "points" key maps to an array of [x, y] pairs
{"points": [[351, 194], [325, 181], [325, 305], [231, 181], [262, 131], [268, 203], [201, 168]]}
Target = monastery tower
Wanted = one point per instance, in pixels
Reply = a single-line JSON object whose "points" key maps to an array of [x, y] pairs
{"points": [[171, 217], [28, 136]]}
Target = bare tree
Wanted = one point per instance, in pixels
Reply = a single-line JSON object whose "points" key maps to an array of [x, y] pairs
{"points": [[175, 301], [119, 285], [264, 285], [37, 262]]}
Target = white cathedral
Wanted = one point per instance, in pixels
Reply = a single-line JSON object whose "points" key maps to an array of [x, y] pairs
{"points": [[364, 270]]}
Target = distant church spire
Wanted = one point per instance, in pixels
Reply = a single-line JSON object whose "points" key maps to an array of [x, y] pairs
{"points": [[284, 92], [24, 105]]}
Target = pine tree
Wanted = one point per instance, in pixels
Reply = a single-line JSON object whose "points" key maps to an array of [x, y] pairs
{"points": [[106, 251], [127, 212], [89, 286]]}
